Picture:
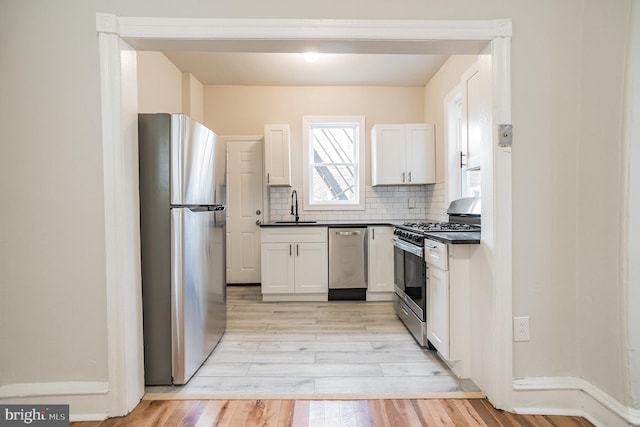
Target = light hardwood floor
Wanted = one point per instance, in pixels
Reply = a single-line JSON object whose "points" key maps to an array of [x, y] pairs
{"points": [[360, 413], [332, 350], [336, 361]]}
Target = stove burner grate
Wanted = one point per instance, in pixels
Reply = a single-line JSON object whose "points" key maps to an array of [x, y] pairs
{"points": [[440, 226]]}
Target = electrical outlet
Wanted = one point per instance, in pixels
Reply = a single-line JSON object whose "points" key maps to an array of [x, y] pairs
{"points": [[412, 203], [521, 328]]}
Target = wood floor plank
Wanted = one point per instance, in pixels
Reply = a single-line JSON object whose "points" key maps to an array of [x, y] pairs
{"points": [[330, 413], [458, 419], [409, 413], [397, 413], [490, 417], [262, 412], [236, 414], [301, 413], [558, 421], [316, 413], [437, 412], [363, 416], [348, 413], [542, 421], [210, 414], [378, 413], [426, 417], [163, 415], [286, 414], [467, 412], [518, 419], [225, 414], [187, 415]]}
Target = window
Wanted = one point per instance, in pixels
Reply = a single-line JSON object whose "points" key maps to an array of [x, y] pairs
{"points": [[333, 162], [463, 180]]}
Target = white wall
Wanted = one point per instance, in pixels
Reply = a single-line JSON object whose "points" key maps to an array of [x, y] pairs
{"points": [[52, 257], [52, 262], [244, 110], [632, 215], [600, 292], [163, 88], [159, 84], [192, 97], [443, 82], [440, 85]]}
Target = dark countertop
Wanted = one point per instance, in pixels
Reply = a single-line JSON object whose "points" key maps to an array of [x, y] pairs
{"points": [[344, 224], [453, 238]]}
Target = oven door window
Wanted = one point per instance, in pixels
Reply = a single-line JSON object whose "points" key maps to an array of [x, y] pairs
{"points": [[410, 277]]}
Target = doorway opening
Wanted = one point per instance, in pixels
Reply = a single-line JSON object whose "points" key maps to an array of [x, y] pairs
{"points": [[494, 362]]}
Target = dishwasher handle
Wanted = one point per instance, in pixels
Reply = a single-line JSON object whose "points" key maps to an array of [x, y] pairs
{"points": [[348, 233]]}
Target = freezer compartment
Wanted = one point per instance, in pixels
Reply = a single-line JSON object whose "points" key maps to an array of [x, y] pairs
{"points": [[182, 161], [347, 263]]}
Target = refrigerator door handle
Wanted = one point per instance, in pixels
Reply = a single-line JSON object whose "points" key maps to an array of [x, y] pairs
{"points": [[215, 208], [177, 296]]}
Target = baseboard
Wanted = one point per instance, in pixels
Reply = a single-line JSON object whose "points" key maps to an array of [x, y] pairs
{"points": [[295, 297], [571, 396], [88, 401], [379, 296]]}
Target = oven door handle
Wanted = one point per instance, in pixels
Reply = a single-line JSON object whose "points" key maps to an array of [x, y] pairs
{"points": [[407, 247]]}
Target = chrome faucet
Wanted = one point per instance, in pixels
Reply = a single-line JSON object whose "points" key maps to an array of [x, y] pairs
{"points": [[294, 193]]}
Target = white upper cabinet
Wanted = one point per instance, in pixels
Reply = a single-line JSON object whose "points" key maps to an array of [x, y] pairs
{"points": [[403, 154], [277, 154]]}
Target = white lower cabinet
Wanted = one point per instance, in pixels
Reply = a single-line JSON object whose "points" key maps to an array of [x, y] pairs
{"points": [[380, 263], [438, 310], [295, 264], [448, 305]]}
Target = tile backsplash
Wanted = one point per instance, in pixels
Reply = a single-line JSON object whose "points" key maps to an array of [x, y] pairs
{"points": [[388, 203]]}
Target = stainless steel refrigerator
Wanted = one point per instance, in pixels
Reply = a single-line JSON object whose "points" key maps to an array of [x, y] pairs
{"points": [[183, 232]]}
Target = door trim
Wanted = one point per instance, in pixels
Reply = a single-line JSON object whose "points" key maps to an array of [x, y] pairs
{"points": [[455, 37]]}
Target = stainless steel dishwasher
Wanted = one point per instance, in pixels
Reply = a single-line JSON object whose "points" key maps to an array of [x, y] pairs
{"points": [[348, 263]]}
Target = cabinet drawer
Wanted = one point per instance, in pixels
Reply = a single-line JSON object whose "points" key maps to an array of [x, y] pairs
{"points": [[435, 253], [293, 234]]}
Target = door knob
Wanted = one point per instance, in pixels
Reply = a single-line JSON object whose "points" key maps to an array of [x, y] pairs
{"points": [[258, 222], [258, 212]]}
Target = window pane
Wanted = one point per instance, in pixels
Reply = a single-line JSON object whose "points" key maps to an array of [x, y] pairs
{"points": [[333, 145], [333, 183], [471, 183]]}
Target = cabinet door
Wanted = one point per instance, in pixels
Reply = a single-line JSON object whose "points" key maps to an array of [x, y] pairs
{"points": [[277, 158], [388, 155], [438, 310], [311, 267], [421, 154], [277, 268], [380, 259]]}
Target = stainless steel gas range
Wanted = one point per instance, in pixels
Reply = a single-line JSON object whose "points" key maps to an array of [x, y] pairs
{"points": [[410, 268]]}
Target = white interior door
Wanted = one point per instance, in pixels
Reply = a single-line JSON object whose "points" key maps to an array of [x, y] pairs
{"points": [[245, 208]]}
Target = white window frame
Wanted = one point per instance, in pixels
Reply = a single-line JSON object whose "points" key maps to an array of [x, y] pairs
{"points": [[307, 123]]}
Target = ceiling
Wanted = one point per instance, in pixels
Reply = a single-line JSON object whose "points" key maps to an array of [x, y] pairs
{"points": [[291, 69]]}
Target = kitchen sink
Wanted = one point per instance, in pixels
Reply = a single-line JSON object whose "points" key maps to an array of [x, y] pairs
{"points": [[295, 222]]}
